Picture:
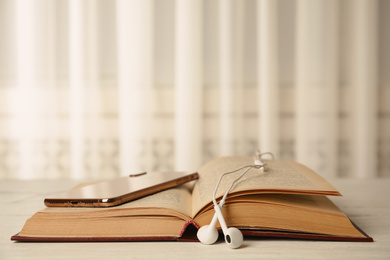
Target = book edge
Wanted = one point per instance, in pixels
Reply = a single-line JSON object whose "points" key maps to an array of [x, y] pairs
{"points": [[190, 237]]}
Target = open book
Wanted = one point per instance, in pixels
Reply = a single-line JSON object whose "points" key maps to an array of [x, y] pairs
{"points": [[287, 200]]}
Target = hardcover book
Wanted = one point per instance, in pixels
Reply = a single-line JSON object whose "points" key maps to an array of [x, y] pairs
{"points": [[287, 200]]}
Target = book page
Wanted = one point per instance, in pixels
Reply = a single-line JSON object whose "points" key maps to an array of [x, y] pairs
{"points": [[280, 177], [176, 199], [288, 212]]}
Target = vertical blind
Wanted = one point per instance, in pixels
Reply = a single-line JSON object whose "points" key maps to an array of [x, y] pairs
{"points": [[98, 89]]}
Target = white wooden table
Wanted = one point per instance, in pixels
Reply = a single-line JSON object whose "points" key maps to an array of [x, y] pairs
{"points": [[366, 202]]}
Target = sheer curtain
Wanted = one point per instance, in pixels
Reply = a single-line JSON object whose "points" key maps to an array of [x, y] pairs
{"points": [[98, 89]]}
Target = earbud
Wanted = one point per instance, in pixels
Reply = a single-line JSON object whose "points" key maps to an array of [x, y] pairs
{"points": [[208, 234], [233, 236], [258, 162]]}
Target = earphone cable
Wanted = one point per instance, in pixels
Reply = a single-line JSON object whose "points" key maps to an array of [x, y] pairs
{"points": [[232, 184]]}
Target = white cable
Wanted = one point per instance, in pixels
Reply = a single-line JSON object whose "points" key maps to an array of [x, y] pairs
{"points": [[222, 202]]}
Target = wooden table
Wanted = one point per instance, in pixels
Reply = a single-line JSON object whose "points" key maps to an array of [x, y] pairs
{"points": [[366, 202]]}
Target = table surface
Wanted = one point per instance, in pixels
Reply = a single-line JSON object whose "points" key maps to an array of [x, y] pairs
{"points": [[366, 202]]}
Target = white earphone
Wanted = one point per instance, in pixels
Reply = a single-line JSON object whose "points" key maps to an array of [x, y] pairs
{"points": [[208, 234]]}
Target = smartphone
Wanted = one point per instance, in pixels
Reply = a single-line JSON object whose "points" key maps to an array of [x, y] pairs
{"points": [[121, 190]]}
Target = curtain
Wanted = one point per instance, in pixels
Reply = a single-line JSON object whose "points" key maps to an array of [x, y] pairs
{"points": [[98, 89]]}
